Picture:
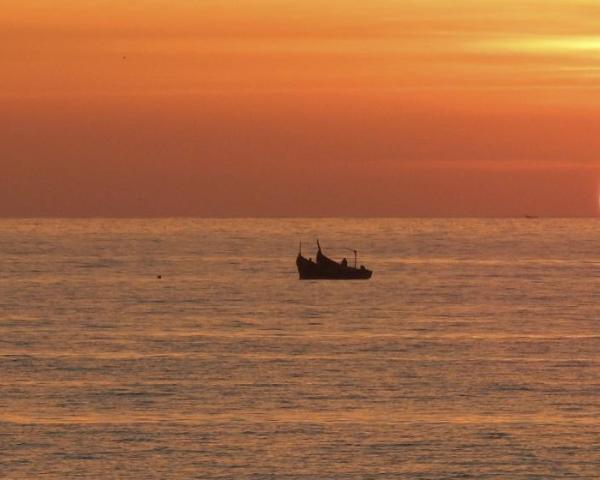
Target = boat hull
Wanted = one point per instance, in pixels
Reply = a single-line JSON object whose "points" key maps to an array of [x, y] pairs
{"points": [[309, 270]]}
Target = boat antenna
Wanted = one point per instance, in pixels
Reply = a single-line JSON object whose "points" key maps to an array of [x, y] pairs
{"points": [[318, 244], [355, 254], [300, 250]]}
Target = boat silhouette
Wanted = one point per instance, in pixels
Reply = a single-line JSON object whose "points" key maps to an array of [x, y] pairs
{"points": [[324, 268]]}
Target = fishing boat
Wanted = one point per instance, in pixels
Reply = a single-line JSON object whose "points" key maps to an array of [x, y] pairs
{"points": [[325, 268]]}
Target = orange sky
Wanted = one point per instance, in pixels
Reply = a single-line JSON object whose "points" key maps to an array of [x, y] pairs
{"points": [[275, 107]]}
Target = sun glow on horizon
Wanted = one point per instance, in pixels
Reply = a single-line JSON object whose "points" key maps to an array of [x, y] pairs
{"points": [[544, 44]]}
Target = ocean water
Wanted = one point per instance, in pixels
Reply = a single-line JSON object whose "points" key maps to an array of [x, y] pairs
{"points": [[473, 352]]}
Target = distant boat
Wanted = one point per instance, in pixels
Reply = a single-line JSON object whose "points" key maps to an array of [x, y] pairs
{"points": [[326, 269]]}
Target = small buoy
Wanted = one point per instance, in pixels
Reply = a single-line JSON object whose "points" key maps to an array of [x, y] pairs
{"points": [[159, 276]]}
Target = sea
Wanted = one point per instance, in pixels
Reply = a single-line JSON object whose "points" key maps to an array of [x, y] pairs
{"points": [[189, 349]]}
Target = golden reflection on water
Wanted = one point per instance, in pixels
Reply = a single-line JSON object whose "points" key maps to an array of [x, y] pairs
{"points": [[473, 350]]}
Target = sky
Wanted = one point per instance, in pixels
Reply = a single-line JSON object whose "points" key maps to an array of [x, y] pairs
{"points": [[226, 108]]}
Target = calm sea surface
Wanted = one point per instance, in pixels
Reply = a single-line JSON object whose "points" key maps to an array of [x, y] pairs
{"points": [[474, 351]]}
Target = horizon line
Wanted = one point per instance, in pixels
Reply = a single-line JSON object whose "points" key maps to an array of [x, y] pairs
{"points": [[294, 217]]}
